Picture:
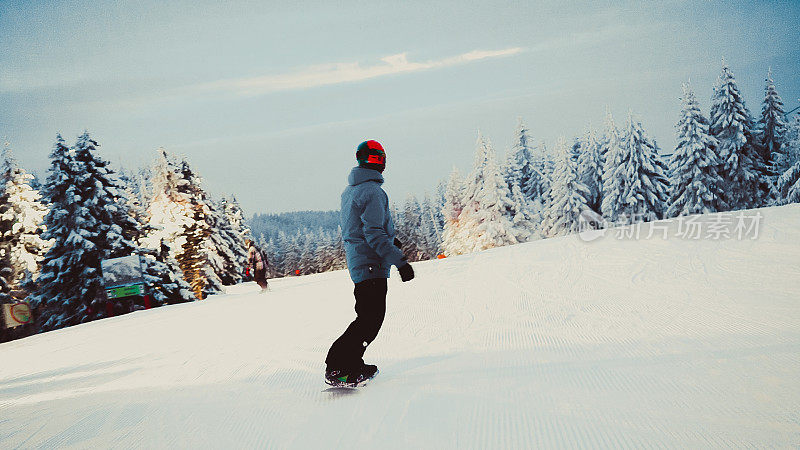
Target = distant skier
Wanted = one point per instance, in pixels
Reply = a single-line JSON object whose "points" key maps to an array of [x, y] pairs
{"points": [[371, 249], [257, 265]]}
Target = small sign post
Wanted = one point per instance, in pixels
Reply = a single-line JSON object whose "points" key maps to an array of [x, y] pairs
{"points": [[17, 314], [123, 277]]}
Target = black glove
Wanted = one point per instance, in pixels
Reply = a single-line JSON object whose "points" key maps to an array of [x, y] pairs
{"points": [[406, 272], [398, 244]]}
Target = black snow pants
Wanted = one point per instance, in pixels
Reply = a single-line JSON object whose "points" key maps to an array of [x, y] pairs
{"points": [[347, 352]]}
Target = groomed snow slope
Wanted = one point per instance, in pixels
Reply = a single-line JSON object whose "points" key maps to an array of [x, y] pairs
{"points": [[557, 343]]}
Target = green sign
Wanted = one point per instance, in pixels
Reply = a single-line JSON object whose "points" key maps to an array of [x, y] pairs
{"points": [[125, 291]]}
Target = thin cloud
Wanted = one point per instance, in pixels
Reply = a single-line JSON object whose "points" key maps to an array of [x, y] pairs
{"points": [[327, 74]]}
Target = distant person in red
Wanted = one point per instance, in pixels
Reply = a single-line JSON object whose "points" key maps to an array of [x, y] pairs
{"points": [[257, 265]]}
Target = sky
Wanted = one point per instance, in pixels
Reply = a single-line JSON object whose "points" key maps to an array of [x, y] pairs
{"points": [[268, 99]]}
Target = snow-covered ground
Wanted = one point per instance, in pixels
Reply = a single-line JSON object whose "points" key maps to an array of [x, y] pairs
{"points": [[557, 343]]}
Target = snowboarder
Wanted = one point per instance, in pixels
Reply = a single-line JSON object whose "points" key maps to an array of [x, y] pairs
{"points": [[257, 265], [371, 249]]}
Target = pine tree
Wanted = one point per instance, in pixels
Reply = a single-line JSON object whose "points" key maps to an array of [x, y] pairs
{"points": [[223, 267], [409, 229], [438, 206], [788, 184], [170, 208], [771, 127], [523, 169], [21, 223], [86, 224], [238, 234], [742, 167], [163, 277], [526, 182], [451, 211], [590, 168], [790, 150], [695, 185], [292, 252], [272, 251], [325, 251], [464, 236], [526, 216], [568, 194], [646, 187], [430, 229], [614, 181], [192, 259], [282, 251], [487, 219], [178, 199], [307, 264]]}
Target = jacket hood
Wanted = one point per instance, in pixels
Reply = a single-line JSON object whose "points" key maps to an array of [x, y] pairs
{"points": [[361, 174]]}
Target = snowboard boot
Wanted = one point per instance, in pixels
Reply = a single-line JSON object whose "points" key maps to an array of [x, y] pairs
{"points": [[352, 378]]}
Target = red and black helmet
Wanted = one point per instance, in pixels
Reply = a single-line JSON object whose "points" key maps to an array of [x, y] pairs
{"points": [[370, 154]]}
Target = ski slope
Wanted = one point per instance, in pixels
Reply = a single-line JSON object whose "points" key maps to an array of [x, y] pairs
{"points": [[556, 343]]}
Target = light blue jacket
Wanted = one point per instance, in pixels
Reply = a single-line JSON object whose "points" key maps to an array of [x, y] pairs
{"points": [[367, 227]]}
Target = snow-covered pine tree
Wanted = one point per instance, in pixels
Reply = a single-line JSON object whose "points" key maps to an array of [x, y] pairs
{"points": [[568, 194], [451, 211], [523, 172], [219, 247], [788, 184], [291, 253], [21, 223], [742, 167], [309, 244], [431, 232], [646, 188], [340, 257], [325, 251], [164, 281], [164, 278], [233, 211], [545, 165], [523, 169], [575, 151], [105, 194], [614, 175], [438, 206], [271, 251], [58, 298], [132, 201], [193, 257], [487, 221], [410, 229], [790, 150], [35, 183], [170, 208], [460, 240], [280, 253], [86, 224], [525, 215], [178, 198], [590, 168], [770, 130], [320, 250], [695, 185]]}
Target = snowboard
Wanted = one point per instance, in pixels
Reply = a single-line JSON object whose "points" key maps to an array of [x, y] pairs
{"points": [[344, 385]]}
